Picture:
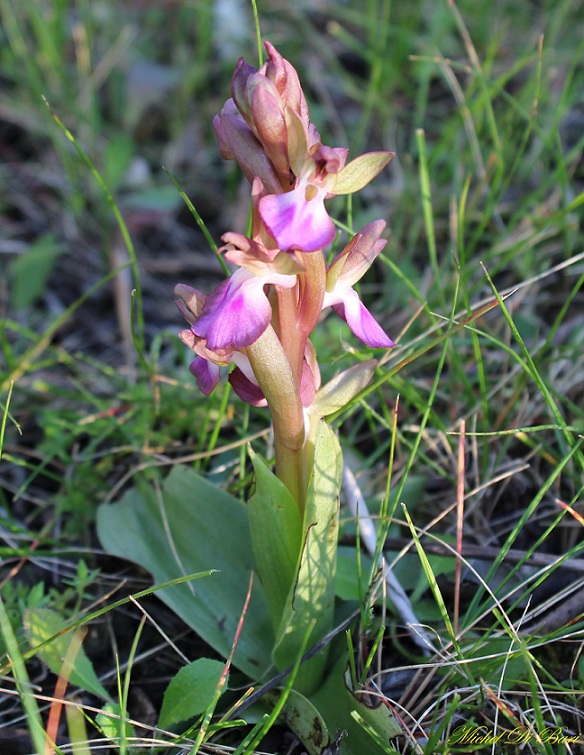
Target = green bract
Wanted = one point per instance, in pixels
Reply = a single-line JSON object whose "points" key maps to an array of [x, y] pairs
{"points": [[360, 171]]}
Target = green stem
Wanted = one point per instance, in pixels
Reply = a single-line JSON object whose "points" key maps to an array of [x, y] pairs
{"points": [[276, 379], [277, 360]]}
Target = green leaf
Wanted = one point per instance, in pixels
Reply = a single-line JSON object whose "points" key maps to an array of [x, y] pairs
{"points": [[193, 526], [305, 721], [44, 624], [190, 692], [342, 389], [353, 575], [276, 533], [360, 171], [336, 702], [311, 598], [29, 271]]}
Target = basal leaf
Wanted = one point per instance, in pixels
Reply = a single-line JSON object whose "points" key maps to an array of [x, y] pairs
{"points": [[335, 702], [276, 532], [193, 526], [305, 721]]}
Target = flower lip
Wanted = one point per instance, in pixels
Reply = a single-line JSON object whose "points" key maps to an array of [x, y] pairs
{"points": [[360, 320], [298, 219], [234, 315], [238, 311]]}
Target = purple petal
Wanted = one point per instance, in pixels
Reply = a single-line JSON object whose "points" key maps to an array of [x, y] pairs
{"points": [[206, 374], [307, 384], [270, 124], [246, 390], [236, 313], [295, 222], [286, 80], [361, 321], [237, 141]]}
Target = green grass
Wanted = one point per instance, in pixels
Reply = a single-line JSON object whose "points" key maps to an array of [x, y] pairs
{"points": [[484, 202]]}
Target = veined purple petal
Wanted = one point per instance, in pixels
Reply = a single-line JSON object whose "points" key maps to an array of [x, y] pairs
{"points": [[236, 313], [246, 390], [348, 305], [270, 123], [296, 222], [206, 374], [286, 80], [237, 141]]}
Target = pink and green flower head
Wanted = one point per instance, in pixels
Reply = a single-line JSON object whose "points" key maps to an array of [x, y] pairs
{"points": [[254, 126], [266, 128], [263, 314]]}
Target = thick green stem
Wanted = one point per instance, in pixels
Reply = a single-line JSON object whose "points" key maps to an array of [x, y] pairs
{"points": [[276, 379], [277, 360], [312, 287]]}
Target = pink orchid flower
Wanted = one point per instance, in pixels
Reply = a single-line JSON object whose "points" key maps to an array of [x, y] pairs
{"points": [[238, 311], [298, 219], [206, 366], [348, 268]]}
